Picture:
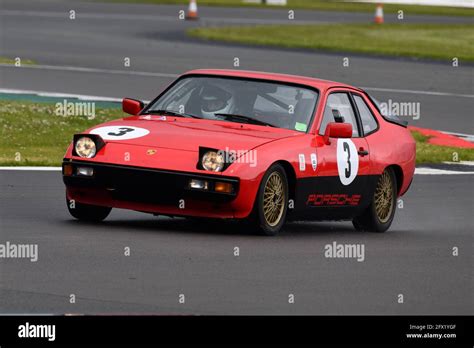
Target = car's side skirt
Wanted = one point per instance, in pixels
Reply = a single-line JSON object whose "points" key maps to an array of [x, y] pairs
{"points": [[325, 198]]}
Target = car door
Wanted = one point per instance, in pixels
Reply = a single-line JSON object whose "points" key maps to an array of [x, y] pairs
{"points": [[344, 162]]}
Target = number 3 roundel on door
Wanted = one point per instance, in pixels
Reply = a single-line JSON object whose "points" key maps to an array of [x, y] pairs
{"points": [[120, 132], [347, 161]]}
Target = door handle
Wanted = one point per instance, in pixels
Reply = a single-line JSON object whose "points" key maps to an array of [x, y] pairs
{"points": [[362, 152]]}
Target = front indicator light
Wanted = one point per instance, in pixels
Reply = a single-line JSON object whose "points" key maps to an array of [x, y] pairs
{"points": [[223, 187], [85, 147], [198, 184], [67, 170], [85, 171]]}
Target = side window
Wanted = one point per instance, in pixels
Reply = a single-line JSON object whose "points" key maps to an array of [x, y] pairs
{"points": [[368, 120], [339, 109]]}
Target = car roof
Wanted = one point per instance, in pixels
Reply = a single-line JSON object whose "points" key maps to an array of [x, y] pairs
{"points": [[320, 84]]}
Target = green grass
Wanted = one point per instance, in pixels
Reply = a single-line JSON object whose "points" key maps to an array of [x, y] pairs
{"points": [[4, 60], [326, 5], [41, 137], [433, 41]]}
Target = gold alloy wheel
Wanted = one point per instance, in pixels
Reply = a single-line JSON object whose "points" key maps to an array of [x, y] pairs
{"points": [[384, 197], [273, 199]]}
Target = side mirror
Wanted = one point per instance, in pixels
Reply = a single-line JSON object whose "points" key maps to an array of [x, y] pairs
{"points": [[132, 106], [337, 130]]}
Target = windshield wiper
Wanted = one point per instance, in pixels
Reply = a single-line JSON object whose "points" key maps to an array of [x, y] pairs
{"points": [[240, 118], [170, 113]]}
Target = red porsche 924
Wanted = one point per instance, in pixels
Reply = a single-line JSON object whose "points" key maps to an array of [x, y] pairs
{"points": [[244, 145]]}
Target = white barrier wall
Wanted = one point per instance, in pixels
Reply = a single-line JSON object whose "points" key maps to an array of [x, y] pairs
{"points": [[450, 3]]}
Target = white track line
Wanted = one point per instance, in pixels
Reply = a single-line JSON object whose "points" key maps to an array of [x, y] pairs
{"points": [[64, 95], [418, 171], [410, 91], [157, 74], [60, 95], [463, 163], [43, 169], [89, 70], [433, 171], [467, 137], [450, 3]]}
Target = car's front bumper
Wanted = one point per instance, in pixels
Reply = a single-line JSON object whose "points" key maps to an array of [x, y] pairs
{"points": [[150, 190]]}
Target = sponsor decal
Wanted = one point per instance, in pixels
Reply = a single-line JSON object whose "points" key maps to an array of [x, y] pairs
{"points": [[152, 118], [301, 127], [120, 132], [347, 161], [302, 162], [318, 200], [314, 161]]}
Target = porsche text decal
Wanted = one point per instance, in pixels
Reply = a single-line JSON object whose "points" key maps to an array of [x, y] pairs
{"points": [[318, 200]]}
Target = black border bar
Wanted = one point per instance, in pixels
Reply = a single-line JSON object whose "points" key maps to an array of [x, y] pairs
{"points": [[220, 330]]}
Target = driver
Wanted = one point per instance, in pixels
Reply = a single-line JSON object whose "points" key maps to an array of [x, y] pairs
{"points": [[215, 100]]}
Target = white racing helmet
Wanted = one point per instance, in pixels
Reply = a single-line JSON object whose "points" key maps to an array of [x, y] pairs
{"points": [[214, 100]]}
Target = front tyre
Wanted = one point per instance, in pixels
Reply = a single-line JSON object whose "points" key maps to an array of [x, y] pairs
{"points": [[379, 215], [87, 212], [272, 201]]}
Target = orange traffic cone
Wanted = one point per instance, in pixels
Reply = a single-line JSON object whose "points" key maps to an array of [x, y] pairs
{"points": [[192, 10], [379, 14]]}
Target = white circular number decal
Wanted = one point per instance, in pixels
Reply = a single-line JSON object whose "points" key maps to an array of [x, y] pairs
{"points": [[347, 161], [120, 132]]}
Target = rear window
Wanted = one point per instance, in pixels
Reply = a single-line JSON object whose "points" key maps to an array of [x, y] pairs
{"points": [[390, 118]]}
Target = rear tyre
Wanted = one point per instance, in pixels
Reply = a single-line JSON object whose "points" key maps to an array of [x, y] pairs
{"points": [[271, 203], [87, 212], [379, 215]]}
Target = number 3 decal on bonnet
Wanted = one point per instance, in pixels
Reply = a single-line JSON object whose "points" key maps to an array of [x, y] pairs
{"points": [[347, 161], [120, 132]]}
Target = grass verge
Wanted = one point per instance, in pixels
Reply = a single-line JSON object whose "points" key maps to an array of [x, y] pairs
{"points": [[40, 137], [4, 60], [326, 5], [433, 41], [34, 134], [429, 153]]}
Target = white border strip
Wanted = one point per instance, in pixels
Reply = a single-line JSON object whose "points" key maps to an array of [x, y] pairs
{"points": [[63, 95], [91, 70], [43, 169], [60, 95], [448, 3], [462, 163], [433, 171], [410, 91]]}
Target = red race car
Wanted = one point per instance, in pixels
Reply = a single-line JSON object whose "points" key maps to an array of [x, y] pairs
{"points": [[259, 147]]}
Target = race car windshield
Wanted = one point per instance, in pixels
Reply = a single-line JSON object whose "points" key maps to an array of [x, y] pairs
{"points": [[257, 102]]}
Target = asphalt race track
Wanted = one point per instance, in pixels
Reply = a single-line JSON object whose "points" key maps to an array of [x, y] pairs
{"points": [[169, 257], [178, 256]]}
